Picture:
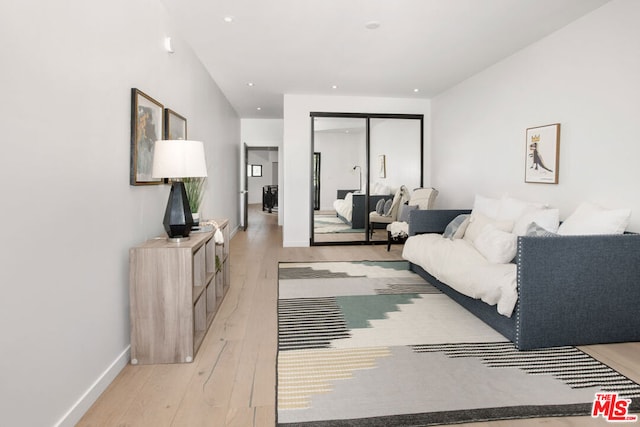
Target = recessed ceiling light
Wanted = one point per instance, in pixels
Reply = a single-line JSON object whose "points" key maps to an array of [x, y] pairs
{"points": [[416, 90], [250, 84], [228, 19], [334, 87], [372, 25], [259, 108]]}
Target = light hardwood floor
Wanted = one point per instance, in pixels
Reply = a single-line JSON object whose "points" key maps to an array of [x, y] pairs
{"points": [[232, 379]]}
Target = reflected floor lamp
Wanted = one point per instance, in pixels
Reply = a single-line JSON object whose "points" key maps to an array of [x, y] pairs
{"points": [[178, 159], [359, 170]]}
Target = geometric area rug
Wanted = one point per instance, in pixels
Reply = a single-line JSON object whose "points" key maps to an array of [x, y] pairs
{"points": [[374, 344]]}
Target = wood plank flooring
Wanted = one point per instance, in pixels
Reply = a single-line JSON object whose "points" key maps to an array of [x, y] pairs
{"points": [[232, 379]]}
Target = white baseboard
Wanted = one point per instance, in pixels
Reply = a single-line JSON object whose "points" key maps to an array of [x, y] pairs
{"points": [[83, 404], [295, 244]]}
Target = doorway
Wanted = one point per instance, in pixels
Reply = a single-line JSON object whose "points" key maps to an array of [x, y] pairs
{"points": [[260, 189]]}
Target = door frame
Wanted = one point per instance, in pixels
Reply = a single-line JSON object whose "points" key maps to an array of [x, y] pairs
{"points": [[244, 193]]}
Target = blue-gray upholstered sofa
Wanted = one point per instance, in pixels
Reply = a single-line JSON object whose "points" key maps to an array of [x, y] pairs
{"points": [[572, 290]]}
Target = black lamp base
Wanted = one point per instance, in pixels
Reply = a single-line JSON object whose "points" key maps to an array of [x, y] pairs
{"points": [[177, 217]]}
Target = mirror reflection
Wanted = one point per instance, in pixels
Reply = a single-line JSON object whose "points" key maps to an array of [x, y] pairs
{"points": [[396, 169], [339, 146], [361, 180]]}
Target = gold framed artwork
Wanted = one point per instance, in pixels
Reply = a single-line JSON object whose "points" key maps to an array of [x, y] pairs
{"points": [[382, 166], [542, 159], [175, 125], [147, 125]]}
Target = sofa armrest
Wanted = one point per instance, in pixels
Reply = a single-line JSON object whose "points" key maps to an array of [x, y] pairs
{"points": [[576, 290], [432, 220]]}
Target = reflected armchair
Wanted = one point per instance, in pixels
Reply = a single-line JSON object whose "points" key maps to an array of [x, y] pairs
{"points": [[377, 220], [423, 199]]}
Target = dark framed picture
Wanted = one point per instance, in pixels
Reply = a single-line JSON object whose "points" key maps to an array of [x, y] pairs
{"points": [[542, 160], [175, 125], [147, 124]]}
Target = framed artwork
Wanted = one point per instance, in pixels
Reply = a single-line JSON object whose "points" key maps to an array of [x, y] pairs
{"points": [[256, 170], [542, 159], [175, 125], [382, 166], [147, 124]]}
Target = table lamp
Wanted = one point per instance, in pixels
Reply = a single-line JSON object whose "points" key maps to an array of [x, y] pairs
{"points": [[178, 159]]}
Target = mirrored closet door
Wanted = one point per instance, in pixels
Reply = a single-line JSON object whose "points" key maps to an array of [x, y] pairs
{"points": [[340, 143], [359, 163]]}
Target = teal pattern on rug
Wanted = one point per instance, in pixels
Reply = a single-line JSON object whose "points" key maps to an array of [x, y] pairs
{"points": [[359, 309], [395, 265]]}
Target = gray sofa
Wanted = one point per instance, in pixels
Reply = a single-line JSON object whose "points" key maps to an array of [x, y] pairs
{"points": [[572, 290]]}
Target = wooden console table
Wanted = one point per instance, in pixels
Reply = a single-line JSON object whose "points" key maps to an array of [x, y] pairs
{"points": [[175, 290]]}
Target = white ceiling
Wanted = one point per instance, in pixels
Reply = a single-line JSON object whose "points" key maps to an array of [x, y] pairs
{"points": [[307, 46]]}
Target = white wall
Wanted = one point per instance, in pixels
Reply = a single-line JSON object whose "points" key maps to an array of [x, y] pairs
{"points": [[297, 149], [340, 152], [399, 142], [584, 76], [68, 211], [264, 133]]}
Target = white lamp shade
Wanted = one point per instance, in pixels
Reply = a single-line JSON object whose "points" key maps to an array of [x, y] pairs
{"points": [[178, 159]]}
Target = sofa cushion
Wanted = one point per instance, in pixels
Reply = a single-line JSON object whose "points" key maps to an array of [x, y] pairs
{"points": [[380, 207], [478, 221], [593, 219], [497, 246], [456, 228]]}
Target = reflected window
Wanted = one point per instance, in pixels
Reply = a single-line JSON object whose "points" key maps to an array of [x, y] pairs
{"points": [[254, 170]]}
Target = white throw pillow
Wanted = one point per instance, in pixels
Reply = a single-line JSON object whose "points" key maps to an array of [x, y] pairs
{"points": [[487, 206], [479, 221], [376, 188], [512, 208], [549, 219], [497, 246], [593, 219]]}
